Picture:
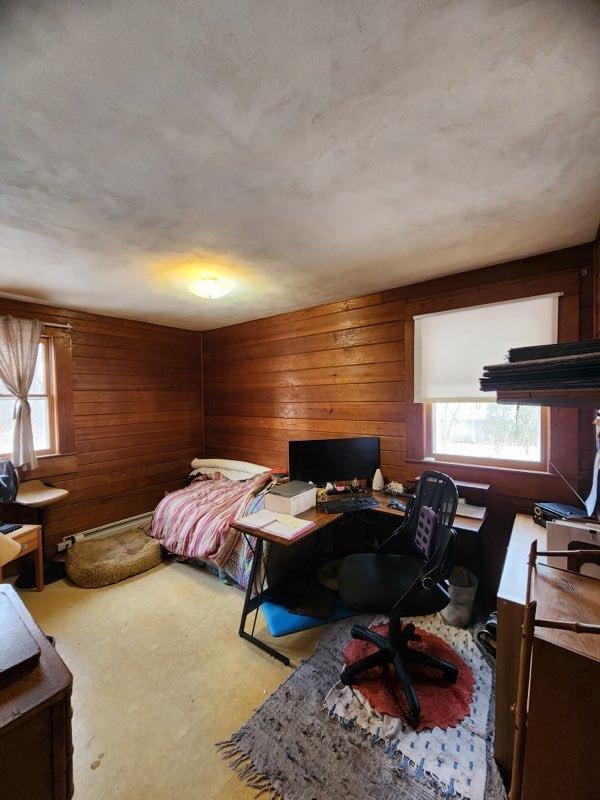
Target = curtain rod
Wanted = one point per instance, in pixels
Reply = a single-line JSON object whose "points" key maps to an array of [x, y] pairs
{"points": [[68, 326]]}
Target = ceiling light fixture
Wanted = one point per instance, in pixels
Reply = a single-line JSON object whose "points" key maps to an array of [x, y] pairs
{"points": [[210, 288]]}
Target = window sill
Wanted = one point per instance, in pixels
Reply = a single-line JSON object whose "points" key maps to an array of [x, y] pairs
{"points": [[51, 465], [482, 467]]}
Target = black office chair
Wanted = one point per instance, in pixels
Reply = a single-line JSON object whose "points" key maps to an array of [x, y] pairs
{"points": [[407, 576]]}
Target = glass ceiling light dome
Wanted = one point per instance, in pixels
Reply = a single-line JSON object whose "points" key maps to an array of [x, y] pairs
{"points": [[210, 288]]}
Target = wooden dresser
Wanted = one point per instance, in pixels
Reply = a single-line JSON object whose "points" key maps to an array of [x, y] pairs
{"points": [[564, 702], [35, 720]]}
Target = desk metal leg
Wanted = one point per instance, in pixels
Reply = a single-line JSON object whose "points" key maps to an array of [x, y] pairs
{"points": [[253, 603]]}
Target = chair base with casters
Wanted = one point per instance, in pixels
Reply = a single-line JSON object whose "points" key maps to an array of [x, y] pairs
{"points": [[396, 651], [407, 577]]}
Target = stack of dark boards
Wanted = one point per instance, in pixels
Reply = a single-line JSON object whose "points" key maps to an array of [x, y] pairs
{"points": [[567, 365]]}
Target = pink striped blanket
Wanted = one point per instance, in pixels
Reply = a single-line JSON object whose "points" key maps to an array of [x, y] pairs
{"points": [[195, 522]]}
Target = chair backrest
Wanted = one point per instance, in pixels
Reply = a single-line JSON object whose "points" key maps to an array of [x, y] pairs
{"points": [[425, 534], [436, 491], [432, 576]]}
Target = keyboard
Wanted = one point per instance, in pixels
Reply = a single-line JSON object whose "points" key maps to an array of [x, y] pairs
{"points": [[342, 504]]}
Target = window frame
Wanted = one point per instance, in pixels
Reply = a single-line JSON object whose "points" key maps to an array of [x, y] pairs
{"points": [[542, 465], [49, 394], [563, 448], [63, 459]]}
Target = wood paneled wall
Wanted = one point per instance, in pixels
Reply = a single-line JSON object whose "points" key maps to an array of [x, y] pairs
{"points": [[137, 415], [339, 370], [334, 370]]}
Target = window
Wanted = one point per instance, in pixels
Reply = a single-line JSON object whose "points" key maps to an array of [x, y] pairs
{"points": [[488, 433], [463, 424], [42, 402]]}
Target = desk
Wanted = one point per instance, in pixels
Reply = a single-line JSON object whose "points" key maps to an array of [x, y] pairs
{"points": [[470, 524], [319, 520], [30, 539]]}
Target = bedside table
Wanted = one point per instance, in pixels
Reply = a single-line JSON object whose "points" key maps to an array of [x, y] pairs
{"points": [[30, 539]]}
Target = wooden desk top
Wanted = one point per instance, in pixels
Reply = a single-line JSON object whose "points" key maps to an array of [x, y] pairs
{"points": [[465, 523], [319, 519], [560, 595], [567, 597], [513, 585], [22, 531]]}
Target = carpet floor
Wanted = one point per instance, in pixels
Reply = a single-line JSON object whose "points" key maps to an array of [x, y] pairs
{"points": [[160, 675]]}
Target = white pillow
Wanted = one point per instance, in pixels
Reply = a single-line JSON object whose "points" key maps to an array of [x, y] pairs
{"points": [[234, 470]]}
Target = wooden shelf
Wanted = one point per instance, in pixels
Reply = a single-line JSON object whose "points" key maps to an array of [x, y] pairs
{"points": [[562, 398]]}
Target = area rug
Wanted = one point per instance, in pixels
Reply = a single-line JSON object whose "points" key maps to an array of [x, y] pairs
{"points": [[443, 704], [452, 759], [296, 748]]}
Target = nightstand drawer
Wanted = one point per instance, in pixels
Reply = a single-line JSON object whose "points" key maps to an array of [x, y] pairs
{"points": [[28, 542]]}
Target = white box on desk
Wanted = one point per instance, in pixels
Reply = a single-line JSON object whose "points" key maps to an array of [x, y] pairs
{"points": [[566, 535], [292, 505]]}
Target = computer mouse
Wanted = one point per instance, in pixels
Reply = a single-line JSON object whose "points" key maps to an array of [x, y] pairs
{"points": [[397, 505]]}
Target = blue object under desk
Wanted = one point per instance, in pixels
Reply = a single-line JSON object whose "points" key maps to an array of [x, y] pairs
{"points": [[281, 621]]}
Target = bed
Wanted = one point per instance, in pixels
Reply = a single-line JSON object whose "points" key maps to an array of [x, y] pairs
{"points": [[195, 522]]}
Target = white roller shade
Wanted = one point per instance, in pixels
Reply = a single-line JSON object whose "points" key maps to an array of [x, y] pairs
{"points": [[452, 347]]}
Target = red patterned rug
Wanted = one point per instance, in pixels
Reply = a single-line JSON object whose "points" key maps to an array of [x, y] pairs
{"points": [[443, 705]]}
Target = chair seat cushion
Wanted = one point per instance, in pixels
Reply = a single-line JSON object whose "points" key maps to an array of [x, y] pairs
{"points": [[376, 581]]}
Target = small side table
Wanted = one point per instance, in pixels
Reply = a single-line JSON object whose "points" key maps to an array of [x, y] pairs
{"points": [[30, 539]]}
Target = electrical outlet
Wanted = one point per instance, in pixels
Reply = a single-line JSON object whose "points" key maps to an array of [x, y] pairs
{"points": [[62, 546]]}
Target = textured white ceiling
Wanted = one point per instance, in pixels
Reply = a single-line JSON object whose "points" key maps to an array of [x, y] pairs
{"points": [[316, 150]]}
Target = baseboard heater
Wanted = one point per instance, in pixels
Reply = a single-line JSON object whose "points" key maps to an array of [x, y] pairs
{"points": [[108, 530]]}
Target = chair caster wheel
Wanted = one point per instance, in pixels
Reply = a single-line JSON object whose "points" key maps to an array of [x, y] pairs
{"points": [[413, 720], [345, 679], [451, 677]]}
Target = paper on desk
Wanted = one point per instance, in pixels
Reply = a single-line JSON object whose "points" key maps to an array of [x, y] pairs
{"points": [[287, 526], [278, 524], [259, 519]]}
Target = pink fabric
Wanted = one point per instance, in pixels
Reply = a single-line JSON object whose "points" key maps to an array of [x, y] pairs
{"points": [[443, 705], [195, 522]]}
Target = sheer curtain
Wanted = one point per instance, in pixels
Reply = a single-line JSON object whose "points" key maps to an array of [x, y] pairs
{"points": [[19, 341]]}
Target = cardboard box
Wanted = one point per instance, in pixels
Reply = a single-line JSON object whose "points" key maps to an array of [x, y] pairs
{"points": [[565, 535], [292, 505]]}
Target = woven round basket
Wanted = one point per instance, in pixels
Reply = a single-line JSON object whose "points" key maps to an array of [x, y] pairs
{"points": [[100, 562]]}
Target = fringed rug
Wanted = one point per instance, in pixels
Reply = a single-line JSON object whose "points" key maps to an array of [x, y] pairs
{"points": [[296, 748]]}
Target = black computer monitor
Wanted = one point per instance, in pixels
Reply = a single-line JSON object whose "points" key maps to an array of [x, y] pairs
{"points": [[322, 460]]}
